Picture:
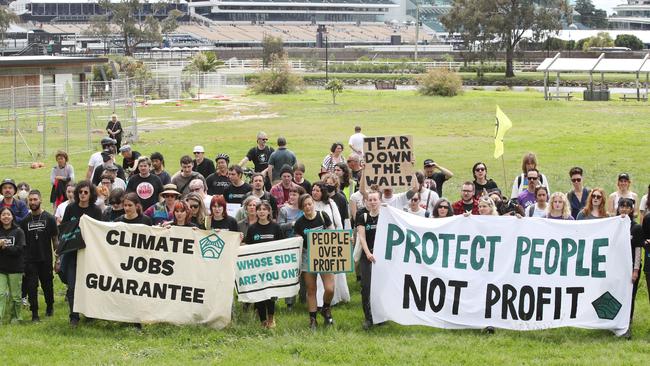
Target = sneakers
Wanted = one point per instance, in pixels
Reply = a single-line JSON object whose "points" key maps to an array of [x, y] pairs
{"points": [[327, 314], [488, 330], [313, 324]]}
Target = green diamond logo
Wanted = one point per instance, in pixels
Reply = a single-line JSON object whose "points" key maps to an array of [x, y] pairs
{"points": [[211, 246], [606, 306]]}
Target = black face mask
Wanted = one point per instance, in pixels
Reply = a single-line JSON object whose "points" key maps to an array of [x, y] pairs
{"points": [[331, 189]]}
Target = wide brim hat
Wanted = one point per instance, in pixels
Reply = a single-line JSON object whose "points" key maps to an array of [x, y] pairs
{"points": [[169, 189]]}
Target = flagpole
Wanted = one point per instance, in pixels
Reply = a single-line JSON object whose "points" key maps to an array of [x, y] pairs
{"points": [[505, 180]]}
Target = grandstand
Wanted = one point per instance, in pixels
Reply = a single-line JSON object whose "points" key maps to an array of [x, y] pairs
{"points": [[313, 11]]}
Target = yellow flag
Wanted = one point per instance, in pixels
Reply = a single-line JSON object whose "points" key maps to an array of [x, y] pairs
{"points": [[501, 125]]}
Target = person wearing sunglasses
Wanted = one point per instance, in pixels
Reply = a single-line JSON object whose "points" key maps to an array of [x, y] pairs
{"points": [[442, 208], [578, 195], [520, 184], [200, 164], [528, 197], [482, 184], [163, 211], [260, 155], [85, 195], [595, 207], [413, 206], [197, 210]]}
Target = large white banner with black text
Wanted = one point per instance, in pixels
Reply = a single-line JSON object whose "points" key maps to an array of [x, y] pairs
{"points": [[505, 272]]}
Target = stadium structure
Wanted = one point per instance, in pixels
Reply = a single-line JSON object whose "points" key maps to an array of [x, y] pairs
{"points": [[635, 15]]}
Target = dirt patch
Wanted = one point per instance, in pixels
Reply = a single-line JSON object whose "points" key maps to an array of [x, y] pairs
{"points": [[237, 109]]}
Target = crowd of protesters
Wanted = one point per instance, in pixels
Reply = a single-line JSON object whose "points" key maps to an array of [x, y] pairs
{"points": [[271, 202]]}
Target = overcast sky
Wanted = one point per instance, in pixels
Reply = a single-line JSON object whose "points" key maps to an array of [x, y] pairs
{"points": [[607, 5]]}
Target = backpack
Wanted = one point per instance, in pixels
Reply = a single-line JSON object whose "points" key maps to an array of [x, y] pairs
{"points": [[520, 179]]}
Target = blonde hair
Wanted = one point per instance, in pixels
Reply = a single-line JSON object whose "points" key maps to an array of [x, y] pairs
{"points": [[488, 201], [566, 207]]}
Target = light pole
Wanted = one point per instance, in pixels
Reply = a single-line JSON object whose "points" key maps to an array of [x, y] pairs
{"points": [[417, 28], [327, 58]]}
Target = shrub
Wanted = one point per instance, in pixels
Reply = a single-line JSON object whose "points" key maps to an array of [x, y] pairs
{"points": [[278, 80], [440, 82], [628, 40], [335, 86]]}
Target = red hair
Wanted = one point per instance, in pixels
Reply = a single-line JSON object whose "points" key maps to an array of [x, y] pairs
{"points": [[218, 200]]}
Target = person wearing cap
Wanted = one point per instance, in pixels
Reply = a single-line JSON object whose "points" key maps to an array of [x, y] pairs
{"points": [[111, 171], [218, 181], [259, 155], [158, 168], [200, 164], [279, 158], [96, 158], [183, 177], [108, 162], [280, 191], [163, 210], [623, 190], [17, 207], [145, 184], [129, 157], [114, 130], [439, 177]]}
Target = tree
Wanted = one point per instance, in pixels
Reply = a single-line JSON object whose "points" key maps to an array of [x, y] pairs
{"points": [[590, 16], [133, 27], [271, 47], [206, 61], [628, 40], [602, 39], [100, 27], [278, 80], [501, 22], [335, 86], [6, 18]]}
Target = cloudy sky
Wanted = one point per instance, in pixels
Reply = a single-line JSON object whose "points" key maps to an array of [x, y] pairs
{"points": [[607, 5]]}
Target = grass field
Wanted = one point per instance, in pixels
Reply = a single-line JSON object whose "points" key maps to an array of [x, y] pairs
{"points": [[605, 138]]}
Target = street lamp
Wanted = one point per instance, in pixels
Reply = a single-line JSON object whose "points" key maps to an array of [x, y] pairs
{"points": [[417, 28]]}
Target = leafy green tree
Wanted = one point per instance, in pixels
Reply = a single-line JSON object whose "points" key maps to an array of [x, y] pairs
{"points": [[133, 28], [335, 86], [271, 47], [501, 22], [206, 61], [602, 39], [590, 16], [6, 18], [628, 40]]}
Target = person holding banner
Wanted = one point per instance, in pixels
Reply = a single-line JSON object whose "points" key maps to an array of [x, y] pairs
{"points": [[487, 207], [262, 231], [250, 217], [133, 211], [164, 210], [414, 206], [442, 208], [559, 209], [219, 218], [12, 264], [197, 209], [314, 220], [366, 227], [625, 207], [595, 207], [182, 216], [84, 204], [539, 208]]}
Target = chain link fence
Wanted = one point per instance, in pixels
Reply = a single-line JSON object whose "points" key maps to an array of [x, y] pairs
{"points": [[36, 121]]}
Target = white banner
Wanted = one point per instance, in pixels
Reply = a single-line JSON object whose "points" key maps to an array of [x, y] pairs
{"points": [[268, 270], [505, 272], [142, 274]]}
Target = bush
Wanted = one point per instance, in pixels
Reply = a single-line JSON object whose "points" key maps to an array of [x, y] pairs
{"points": [[278, 80], [485, 68], [630, 41], [440, 82]]}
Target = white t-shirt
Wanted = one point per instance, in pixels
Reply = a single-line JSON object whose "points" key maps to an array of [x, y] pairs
{"points": [[538, 212], [95, 161], [60, 210], [419, 212], [642, 204], [356, 141]]}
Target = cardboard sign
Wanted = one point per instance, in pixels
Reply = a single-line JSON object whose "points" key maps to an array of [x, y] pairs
{"points": [[330, 251], [388, 161]]}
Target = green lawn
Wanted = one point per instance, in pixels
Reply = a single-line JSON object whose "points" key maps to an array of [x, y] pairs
{"points": [[605, 138]]}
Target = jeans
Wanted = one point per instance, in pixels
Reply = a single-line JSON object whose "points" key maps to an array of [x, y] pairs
{"points": [[69, 271], [35, 271], [365, 268], [10, 289]]}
